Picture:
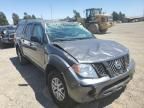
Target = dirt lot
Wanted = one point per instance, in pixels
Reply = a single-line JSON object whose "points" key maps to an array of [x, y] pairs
{"points": [[23, 86]]}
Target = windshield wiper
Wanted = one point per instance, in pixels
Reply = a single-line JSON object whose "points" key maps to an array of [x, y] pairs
{"points": [[81, 38], [71, 39], [62, 39], [58, 40]]}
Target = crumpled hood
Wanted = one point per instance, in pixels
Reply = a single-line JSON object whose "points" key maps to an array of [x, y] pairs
{"points": [[93, 50]]}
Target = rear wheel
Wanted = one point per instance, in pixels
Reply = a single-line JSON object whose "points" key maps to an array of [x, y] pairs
{"points": [[58, 90], [2, 45]]}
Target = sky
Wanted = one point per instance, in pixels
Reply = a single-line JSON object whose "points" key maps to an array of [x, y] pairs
{"points": [[63, 8]]}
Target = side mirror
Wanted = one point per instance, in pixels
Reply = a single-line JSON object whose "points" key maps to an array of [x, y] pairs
{"points": [[35, 39]]}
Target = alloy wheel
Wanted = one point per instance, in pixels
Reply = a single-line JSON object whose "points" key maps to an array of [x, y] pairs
{"points": [[58, 89]]}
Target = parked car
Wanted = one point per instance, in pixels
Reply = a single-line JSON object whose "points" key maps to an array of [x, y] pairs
{"points": [[7, 34], [1, 29], [78, 67]]}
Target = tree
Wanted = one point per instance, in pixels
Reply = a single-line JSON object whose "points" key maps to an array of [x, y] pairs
{"points": [[118, 16], [3, 19], [69, 19], [121, 16], [115, 16], [33, 16], [76, 14], [15, 18], [27, 16]]}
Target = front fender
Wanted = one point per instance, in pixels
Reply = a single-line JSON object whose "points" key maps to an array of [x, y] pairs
{"points": [[61, 65], [58, 62]]}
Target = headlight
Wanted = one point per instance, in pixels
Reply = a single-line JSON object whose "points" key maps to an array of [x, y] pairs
{"points": [[85, 70], [5, 32]]}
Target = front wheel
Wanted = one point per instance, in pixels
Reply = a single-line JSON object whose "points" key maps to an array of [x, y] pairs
{"points": [[58, 90]]}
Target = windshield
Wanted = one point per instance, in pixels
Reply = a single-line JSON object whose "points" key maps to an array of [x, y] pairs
{"points": [[67, 32]]}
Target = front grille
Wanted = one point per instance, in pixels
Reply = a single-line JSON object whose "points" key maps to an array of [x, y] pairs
{"points": [[126, 58], [117, 66], [100, 69], [112, 68], [11, 36]]}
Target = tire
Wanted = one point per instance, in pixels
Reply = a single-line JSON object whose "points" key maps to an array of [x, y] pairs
{"points": [[93, 28], [13, 45], [103, 31], [56, 82], [2, 45], [21, 58]]}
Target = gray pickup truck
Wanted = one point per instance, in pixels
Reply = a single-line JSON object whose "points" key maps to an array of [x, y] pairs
{"points": [[78, 67]]}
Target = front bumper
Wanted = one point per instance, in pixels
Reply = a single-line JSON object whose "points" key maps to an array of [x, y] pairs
{"points": [[90, 89], [7, 40]]}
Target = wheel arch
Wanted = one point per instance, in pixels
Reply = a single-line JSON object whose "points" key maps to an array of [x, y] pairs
{"points": [[56, 63]]}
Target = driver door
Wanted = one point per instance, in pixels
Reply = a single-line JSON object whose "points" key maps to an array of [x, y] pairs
{"points": [[37, 48]]}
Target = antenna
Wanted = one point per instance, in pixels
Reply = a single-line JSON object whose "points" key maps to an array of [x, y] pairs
{"points": [[143, 13], [51, 12]]}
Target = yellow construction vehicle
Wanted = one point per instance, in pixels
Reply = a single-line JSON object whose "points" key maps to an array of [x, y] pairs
{"points": [[96, 21]]}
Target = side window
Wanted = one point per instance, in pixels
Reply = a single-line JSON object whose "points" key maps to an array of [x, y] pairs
{"points": [[28, 31], [38, 31]]}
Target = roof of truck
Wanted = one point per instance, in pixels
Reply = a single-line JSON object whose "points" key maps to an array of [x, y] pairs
{"points": [[46, 21]]}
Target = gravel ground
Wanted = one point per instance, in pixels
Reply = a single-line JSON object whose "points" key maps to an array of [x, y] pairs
{"points": [[23, 86]]}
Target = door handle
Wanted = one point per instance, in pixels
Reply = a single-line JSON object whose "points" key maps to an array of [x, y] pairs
{"points": [[33, 47], [22, 40], [31, 44]]}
